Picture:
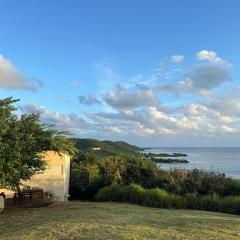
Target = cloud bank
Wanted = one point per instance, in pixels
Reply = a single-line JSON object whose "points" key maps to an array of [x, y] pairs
{"points": [[165, 103], [11, 78]]}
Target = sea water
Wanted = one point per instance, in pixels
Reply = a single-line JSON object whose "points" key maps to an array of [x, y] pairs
{"points": [[223, 160]]}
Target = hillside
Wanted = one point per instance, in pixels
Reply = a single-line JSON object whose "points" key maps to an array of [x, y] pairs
{"points": [[106, 147], [98, 221]]}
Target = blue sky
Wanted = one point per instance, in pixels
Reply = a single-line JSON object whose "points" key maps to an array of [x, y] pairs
{"points": [[154, 73]]}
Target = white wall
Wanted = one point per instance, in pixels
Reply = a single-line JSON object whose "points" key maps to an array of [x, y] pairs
{"points": [[1, 203], [54, 179]]}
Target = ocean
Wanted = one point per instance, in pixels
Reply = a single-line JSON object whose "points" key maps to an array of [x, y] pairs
{"points": [[223, 160]]}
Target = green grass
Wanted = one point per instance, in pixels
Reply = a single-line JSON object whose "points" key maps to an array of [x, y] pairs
{"points": [[88, 220]]}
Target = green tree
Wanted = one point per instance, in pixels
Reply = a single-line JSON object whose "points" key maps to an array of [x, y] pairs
{"points": [[23, 139], [111, 168], [128, 169], [7, 121]]}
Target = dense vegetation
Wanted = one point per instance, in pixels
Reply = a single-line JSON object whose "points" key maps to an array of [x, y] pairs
{"points": [[195, 189], [106, 148], [162, 199]]}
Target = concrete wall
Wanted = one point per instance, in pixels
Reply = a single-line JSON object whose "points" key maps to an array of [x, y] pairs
{"points": [[54, 179]]}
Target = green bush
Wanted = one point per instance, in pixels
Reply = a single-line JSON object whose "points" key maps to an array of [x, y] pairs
{"points": [[234, 187], [230, 204], [200, 182], [128, 169], [161, 199], [136, 194]]}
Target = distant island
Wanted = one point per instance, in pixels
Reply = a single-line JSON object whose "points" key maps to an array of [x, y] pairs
{"points": [[169, 160], [166, 157], [110, 148], [165, 154]]}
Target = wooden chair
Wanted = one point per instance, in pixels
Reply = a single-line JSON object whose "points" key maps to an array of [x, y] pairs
{"points": [[27, 194]]}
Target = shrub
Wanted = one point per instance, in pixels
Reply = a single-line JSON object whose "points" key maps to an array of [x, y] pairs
{"points": [[118, 193], [50, 195], [160, 198], [230, 204], [140, 171], [234, 187], [193, 202], [86, 191], [129, 169], [200, 182], [156, 198], [210, 203], [136, 194]]}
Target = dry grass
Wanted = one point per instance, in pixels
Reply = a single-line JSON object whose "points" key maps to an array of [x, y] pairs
{"points": [[88, 220]]}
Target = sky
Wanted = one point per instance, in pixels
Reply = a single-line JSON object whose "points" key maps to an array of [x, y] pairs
{"points": [[152, 73]]}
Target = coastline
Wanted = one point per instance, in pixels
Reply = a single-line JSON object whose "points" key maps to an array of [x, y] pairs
{"points": [[220, 159]]}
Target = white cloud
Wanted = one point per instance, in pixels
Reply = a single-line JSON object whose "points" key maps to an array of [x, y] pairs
{"points": [[116, 130], [141, 130], [177, 58], [69, 122], [11, 78], [138, 112], [229, 105], [89, 100], [207, 76], [192, 120], [212, 57], [225, 119], [208, 55], [227, 129], [121, 98], [186, 123], [201, 79]]}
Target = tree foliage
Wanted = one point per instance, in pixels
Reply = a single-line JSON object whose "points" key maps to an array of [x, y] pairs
{"points": [[23, 139]]}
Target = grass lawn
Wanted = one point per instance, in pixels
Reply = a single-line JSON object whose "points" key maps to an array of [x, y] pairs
{"points": [[88, 220]]}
